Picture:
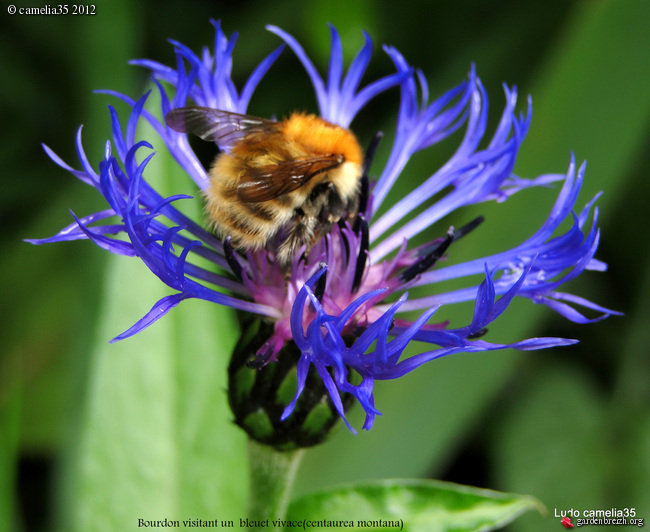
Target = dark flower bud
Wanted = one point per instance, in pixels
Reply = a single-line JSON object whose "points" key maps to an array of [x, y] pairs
{"points": [[258, 395]]}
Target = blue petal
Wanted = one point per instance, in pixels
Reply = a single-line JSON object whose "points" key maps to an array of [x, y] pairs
{"points": [[162, 307]]}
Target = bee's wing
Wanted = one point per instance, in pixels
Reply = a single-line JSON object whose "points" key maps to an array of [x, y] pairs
{"points": [[264, 183], [223, 127]]}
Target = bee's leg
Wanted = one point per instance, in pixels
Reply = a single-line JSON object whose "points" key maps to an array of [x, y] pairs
{"points": [[300, 233], [333, 207], [325, 203]]}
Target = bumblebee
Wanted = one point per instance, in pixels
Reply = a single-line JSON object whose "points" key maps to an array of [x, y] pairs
{"points": [[278, 185]]}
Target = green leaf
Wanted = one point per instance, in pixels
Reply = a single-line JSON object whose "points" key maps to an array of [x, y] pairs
{"points": [[413, 505], [157, 441]]}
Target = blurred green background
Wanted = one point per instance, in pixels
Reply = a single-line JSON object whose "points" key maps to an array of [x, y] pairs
{"points": [[94, 436]]}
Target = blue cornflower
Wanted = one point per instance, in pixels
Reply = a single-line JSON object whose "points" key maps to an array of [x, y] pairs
{"points": [[336, 304]]}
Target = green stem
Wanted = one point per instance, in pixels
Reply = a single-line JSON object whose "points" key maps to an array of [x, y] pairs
{"points": [[271, 478]]}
